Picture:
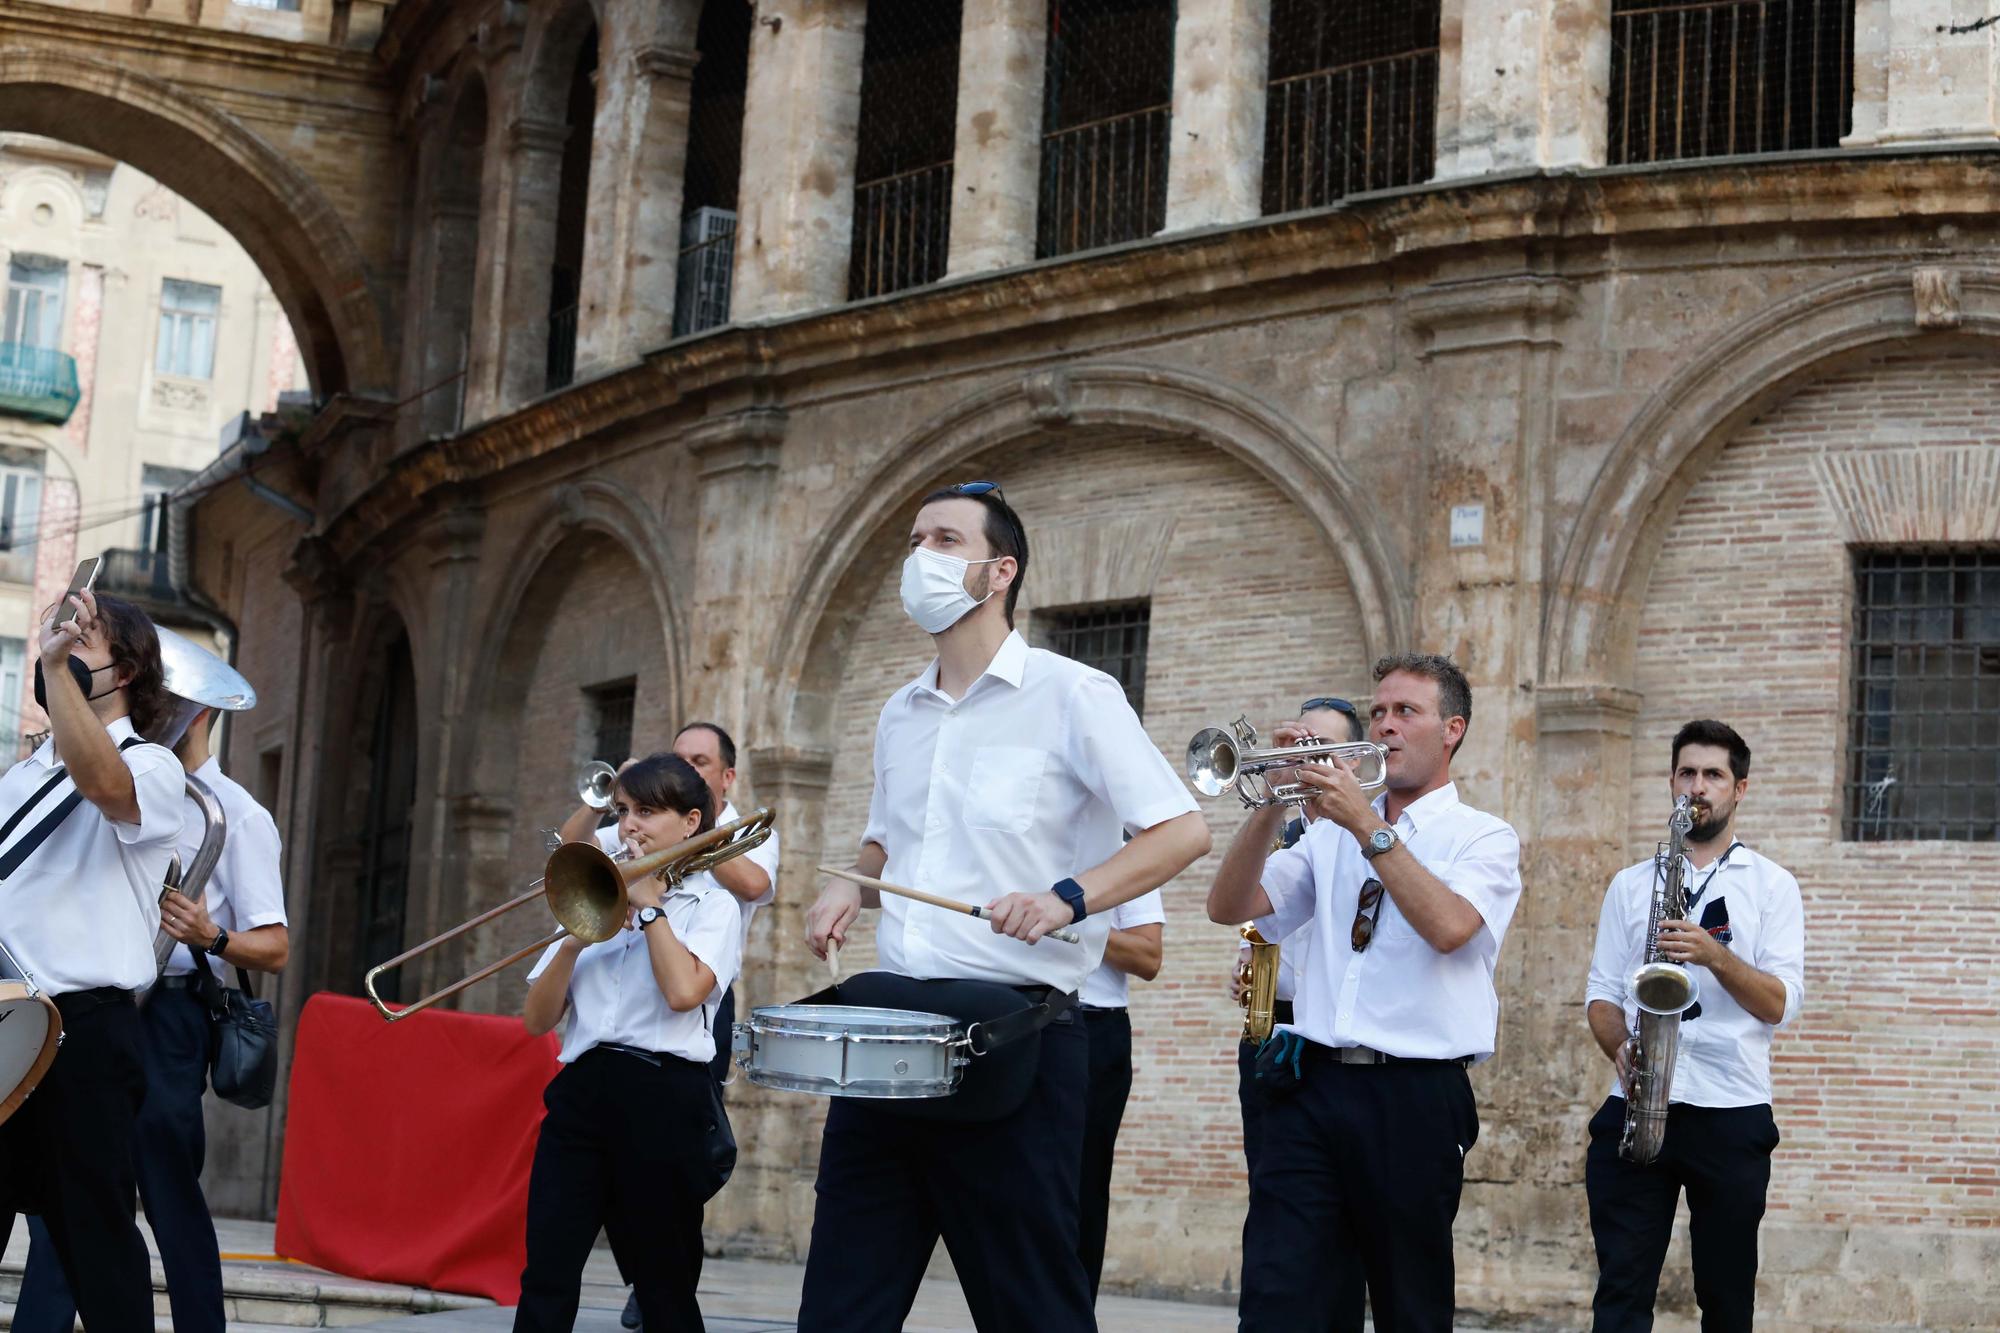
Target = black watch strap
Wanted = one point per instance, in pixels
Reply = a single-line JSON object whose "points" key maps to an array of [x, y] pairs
{"points": [[1071, 892], [221, 942]]}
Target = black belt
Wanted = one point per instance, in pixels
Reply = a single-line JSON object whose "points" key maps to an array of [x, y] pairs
{"points": [[657, 1059], [1281, 1011], [1363, 1055], [73, 1003]]}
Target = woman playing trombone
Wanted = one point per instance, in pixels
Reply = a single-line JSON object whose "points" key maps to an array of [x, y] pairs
{"points": [[633, 1118]]}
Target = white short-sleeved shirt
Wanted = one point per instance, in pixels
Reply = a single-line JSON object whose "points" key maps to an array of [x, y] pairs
{"points": [[1034, 776], [1107, 987], [1399, 996], [82, 910], [246, 890], [1751, 904], [614, 997], [764, 856]]}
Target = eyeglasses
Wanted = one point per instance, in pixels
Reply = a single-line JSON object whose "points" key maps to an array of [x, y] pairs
{"points": [[979, 488], [1364, 916], [1328, 701]]}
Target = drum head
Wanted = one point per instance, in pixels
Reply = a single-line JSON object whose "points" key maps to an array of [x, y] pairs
{"points": [[30, 1027], [855, 1018]]}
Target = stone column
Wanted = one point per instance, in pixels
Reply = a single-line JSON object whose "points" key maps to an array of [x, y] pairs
{"points": [[1522, 84], [729, 626], [1924, 74], [1215, 166], [638, 162], [801, 108], [997, 156], [510, 321]]}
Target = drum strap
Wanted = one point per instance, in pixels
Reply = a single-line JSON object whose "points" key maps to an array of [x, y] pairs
{"points": [[39, 834], [1046, 1006]]}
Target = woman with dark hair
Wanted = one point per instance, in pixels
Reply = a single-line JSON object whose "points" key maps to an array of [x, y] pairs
{"points": [[633, 1116]]}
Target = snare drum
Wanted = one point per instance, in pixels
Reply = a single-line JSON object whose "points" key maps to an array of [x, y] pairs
{"points": [[30, 1028], [851, 1051]]}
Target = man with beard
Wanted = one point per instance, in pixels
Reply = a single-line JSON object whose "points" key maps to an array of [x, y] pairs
{"points": [[1745, 944]]}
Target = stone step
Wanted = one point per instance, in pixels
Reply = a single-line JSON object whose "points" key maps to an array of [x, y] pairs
{"points": [[275, 1295]]}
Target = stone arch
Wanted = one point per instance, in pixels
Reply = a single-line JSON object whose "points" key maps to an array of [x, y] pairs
{"points": [[1593, 624], [1171, 402], [550, 51], [279, 215]]}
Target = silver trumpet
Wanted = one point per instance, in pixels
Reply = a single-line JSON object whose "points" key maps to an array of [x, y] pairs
{"points": [[1220, 761], [595, 783]]}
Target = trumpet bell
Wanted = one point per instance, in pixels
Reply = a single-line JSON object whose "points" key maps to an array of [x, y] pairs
{"points": [[596, 783], [1663, 988], [1212, 761], [586, 892]]}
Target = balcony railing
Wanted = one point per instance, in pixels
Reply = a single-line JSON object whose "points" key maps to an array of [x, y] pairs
{"points": [[1104, 182], [1371, 125], [38, 383], [902, 231], [701, 288], [562, 349], [1717, 77]]}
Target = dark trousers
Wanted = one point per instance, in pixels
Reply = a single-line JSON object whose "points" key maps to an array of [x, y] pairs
{"points": [[1365, 1160], [68, 1152], [1110, 1033], [622, 1149], [1722, 1157], [1002, 1193], [1350, 1288], [168, 1146]]}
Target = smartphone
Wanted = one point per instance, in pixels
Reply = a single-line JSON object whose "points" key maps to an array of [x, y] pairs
{"points": [[82, 581]]}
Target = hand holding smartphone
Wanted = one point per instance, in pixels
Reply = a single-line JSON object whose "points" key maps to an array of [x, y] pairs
{"points": [[80, 582]]}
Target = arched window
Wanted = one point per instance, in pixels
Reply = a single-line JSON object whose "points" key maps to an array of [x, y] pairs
{"points": [[454, 262], [572, 212], [1708, 78], [1107, 92], [383, 896], [1353, 99], [714, 162], [907, 132]]}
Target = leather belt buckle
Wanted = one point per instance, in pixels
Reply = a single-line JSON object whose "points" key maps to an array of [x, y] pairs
{"points": [[1358, 1055]]}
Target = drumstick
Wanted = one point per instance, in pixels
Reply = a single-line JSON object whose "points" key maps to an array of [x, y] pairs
{"points": [[949, 904], [833, 960]]}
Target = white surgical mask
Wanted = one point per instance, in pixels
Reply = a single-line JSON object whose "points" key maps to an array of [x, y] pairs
{"points": [[934, 592]]}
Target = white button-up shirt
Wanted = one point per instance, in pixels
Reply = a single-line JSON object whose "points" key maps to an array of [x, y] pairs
{"points": [[1752, 904], [1107, 987], [614, 997], [245, 890], [1033, 777], [82, 911], [1398, 996], [764, 856]]}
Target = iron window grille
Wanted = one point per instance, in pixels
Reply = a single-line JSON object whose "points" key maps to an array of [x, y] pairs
{"points": [[1108, 86], [1923, 753], [1110, 638], [611, 720]]}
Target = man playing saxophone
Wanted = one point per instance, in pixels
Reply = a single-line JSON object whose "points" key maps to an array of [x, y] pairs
{"points": [[1743, 939]]}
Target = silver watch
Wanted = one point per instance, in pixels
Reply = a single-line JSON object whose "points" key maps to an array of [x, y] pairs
{"points": [[1380, 841]]}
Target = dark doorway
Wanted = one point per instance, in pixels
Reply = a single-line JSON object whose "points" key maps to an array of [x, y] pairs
{"points": [[572, 214], [385, 838]]}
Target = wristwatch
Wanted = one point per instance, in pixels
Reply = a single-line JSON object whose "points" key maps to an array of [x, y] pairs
{"points": [[648, 915], [1380, 841], [221, 943], [1071, 892]]}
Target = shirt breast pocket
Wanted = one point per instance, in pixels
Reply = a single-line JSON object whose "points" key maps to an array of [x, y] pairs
{"points": [[1003, 786]]}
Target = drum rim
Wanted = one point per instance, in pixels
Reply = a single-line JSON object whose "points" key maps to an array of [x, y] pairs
{"points": [[863, 1020], [17, 990]]}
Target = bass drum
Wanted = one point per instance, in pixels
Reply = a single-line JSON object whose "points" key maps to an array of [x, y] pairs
{"points": [[30, 1027]]}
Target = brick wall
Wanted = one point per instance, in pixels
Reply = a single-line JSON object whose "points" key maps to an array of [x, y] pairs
{"points": [[1885, 1086]]}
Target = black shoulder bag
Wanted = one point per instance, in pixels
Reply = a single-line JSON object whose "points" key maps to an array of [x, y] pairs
{"points": [[242, 1041], [1003, 1025]]}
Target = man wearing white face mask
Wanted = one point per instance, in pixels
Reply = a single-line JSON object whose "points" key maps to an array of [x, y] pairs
{"points": [[1005, 778]]}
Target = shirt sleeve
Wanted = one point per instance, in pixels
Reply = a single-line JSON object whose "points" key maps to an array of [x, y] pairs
{"points": [[877, 831], [714, 934], [542, 963], [1781, 950], [1148, 909], [1112, 755], [1292, 888], [608, 840], [1611, 961], [255, 886], [1487, 874], [765, 858], [159, 784]]}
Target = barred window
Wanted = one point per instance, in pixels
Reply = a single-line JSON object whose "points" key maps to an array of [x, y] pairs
{"points": [[1923, 755], [1708, 78], [1353, 99], [1110, 638], [610, 717], [904, 141], [1108, 85]]}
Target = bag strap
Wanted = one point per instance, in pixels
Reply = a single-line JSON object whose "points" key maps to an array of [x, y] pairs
{"points": [[39, 834]]}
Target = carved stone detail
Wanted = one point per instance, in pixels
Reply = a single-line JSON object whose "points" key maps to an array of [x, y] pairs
{"points": [[1048, 394], [742, 441], [180, 395], [1939, 293]]}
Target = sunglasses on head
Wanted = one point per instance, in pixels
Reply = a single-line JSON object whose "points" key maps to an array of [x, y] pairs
{"points": [[1329, 701], [979, 488]]}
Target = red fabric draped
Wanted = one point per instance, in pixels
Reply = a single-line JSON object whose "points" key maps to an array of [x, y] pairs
{"points": [[407, 1146]]}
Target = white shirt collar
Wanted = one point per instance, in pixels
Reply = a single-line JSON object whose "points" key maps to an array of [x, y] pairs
{"points": [[1009, 664], [1425, 807]]}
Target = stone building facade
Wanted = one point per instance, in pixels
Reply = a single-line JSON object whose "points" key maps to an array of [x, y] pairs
{"points": [[1635, 432]]}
